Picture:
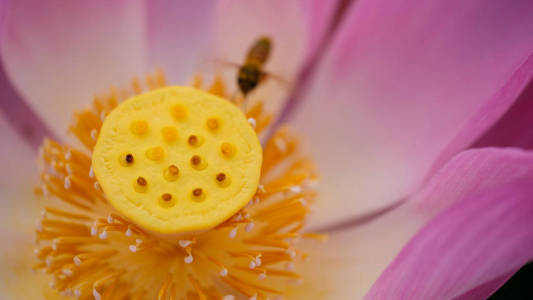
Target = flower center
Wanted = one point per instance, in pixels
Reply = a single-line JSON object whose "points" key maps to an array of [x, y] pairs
{"points": [[177, 159], [173, 160]]}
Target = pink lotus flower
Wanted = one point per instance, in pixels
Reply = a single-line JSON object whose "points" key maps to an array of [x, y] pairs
{"points": [[416, 113]]}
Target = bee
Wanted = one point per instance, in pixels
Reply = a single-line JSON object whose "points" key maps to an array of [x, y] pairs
{"points": [[251, 72]]}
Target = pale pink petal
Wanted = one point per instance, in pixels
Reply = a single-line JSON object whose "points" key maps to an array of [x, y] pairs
{"points": [[514, 128], [350, 261], [17, 159], [346, 266], [18, 212], [58, 54], [404, 87], [179, 33], [24, 120]]}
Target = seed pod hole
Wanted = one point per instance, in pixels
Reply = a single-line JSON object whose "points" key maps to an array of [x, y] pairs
{"points": [[171, 173], [126, 159], [198, 195], [222, 179], [167, 200], [198, 163], [140, 185]]}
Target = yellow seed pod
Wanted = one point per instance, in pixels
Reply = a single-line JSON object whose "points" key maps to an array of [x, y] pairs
{"points": [[154, 192]]}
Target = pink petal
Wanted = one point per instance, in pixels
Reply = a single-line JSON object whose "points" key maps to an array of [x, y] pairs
{"points": [[404, 87], [513, 129], [319, 16], [346, 266], [469, 172], [481, 292], [483, 229], [59, 54], [179, 33]]}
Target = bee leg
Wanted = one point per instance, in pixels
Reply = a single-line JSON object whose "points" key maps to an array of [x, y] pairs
{"points": [[234, 95], [264, 76]]}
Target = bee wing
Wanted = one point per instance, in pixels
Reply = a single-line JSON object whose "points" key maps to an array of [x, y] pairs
{"points": [[224, 63], [279, 79]]}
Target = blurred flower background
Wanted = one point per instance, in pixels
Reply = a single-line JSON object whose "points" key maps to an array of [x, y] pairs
{"points": [[417, 113]]}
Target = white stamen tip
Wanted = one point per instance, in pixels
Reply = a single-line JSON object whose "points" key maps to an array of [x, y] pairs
{"points": [[296, 189], [94, 134], [69, 169], [91, 172], [252, 265], [67, 183], [133, 248], [44, 189], [77, 293], [39, 226], [54, 244], [296, 282], [96, 185], [96, 295], [261, 188], [67, 272], [229, 297], [291, 252], [289, 266], [103, 235], [189, 259], [252, 122], [138, 241], [110, 219], [249, 227], [254, 297], [233, 233], [68, 155], [184, 243], [77, 261], [94, 231], [128, 232], [224, 272]]}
